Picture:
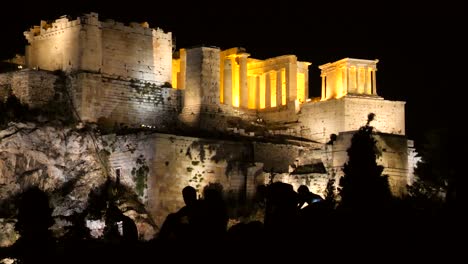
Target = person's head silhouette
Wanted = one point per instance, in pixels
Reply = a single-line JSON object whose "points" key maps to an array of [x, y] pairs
{"points": [[34, 214], [190, 195]]}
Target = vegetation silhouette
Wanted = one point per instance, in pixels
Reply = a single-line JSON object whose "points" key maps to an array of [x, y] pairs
{"points": [[363, 187], [437, 172]]}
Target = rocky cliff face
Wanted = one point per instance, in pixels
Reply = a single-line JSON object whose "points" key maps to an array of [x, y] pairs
{"points": [[67, 163]]}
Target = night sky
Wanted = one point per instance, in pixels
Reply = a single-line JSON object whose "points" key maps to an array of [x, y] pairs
{"points": [[416, 43]]}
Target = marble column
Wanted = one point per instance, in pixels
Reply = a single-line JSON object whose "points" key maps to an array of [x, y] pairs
{"points": [[243, 86], [257, 92], [324, 91], [279, 90], [374, 86], [267, 90]]}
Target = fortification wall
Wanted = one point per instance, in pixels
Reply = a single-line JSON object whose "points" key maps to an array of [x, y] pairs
{"points": [[350, 113], [394, 158], [283, 114], [283, 158], [87, 44], [54, 46], [32, 87], [112, 101], [389, 115], [5, 85], [136, 51], [201, 92], [322, 119], [174, 162]]}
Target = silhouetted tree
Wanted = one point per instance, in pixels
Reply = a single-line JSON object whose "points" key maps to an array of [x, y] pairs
{"points": [[434, 174], [363, 186]]}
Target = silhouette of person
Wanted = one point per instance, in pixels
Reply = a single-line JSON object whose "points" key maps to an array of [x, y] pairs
{"points": [[182, 225], [111, 230], [36, 243], [281, 211], [129, 230], [313, 216], [307, 197], [214, 218], [189, 195]]}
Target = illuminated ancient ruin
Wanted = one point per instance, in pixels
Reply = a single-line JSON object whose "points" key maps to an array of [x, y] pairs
{"points": [[130, 75]]}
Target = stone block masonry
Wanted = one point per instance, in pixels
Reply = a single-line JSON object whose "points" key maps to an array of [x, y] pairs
{"points": [[349, 113], [177, 161], [134, 103], [87, 44], [31, 87]]}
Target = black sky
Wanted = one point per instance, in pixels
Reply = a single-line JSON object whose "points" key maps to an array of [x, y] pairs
{"points": [[416, 43]]}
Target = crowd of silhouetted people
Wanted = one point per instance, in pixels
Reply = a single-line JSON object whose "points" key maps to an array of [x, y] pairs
{"points": [[293, 220]]}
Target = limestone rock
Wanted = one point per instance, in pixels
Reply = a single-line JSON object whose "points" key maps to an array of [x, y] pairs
{"points": [[62, 161]]}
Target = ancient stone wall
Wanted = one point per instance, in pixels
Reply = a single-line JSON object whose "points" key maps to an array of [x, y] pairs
{"points": [[349, 113], [112, 48], [174, 162], [201, 92], [280, 157], [323, 119], [389, 115], [134, 103], [54, 46], [136, 51], [32, 87]]}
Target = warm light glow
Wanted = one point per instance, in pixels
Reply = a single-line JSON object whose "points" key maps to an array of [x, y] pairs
{"points": [[265, 83], [235, 84], [252, 86], [361, 80], [301, 87], [348, 76], [273, 88], [283, 86], [340, 90], [175, 71], [262, 91]]}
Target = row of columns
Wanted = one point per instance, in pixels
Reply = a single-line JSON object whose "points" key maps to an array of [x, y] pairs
{"points": [[356, 84], [354, 80], [268, 83]]}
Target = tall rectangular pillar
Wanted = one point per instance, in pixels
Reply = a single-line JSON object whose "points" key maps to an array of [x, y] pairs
{"points": [[291, 82], [257, 92], [243, 81], [279, 90], [227, 82], [268, 90]]}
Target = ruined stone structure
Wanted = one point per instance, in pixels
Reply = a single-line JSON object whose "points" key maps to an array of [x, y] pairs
{"points": [[131, 75]]}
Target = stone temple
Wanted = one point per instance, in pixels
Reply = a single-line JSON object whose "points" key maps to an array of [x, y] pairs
{"points": [[216, 116]]}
